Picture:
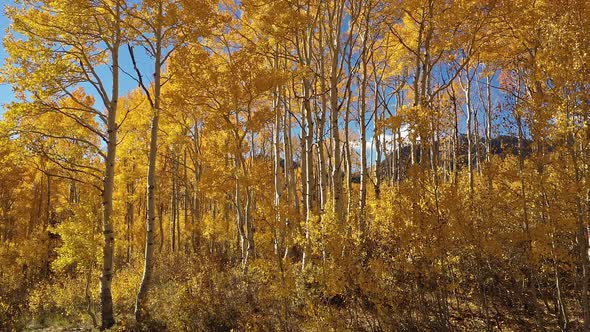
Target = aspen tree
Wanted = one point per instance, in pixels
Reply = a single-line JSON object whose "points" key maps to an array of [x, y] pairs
{"points": [[78, 38]]}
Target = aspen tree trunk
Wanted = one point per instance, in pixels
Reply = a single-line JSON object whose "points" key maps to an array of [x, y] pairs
{"points": [[347, 150], [377, 141], [399, 142], [277, 158], [161, 224], [196, 202], [412, 149], [251, 248], [348, 158], [456, 141], [309, 161], [395, 137], [129, 218], [289, 171], [243, 243], [303, 166], [173, 203], [425, 85], [289, 166], [476, 138], [151, 216], [377, 184], [141, 311], [467, 93], [488, 119], [433, 149], [322, 170], [178, 203], [398, 156], [186, 196], [106, 299], [193, 202], [243, 209], [363, 128], [562, 314], [309, 183], [446, 155], [304, 49], [47, 223], [249, 206], [335, 51]]}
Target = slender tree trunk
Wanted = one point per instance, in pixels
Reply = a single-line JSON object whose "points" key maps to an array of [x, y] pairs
{"points": [[488, 119], [242, 241], [456, 137], [347, 150], [363, 130], [277, 160], [196, 201], [129, 217], [321, 124], [335, 51], [186, 196], [161, 224], [151, 217], [106, 299], [141, 310], [178, 202], [469, 121], [377, 141], [309, 183], [290, 179], [173, 205]]}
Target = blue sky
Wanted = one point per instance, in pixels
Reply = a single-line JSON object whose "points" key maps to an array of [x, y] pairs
{"points": [[5, 92]]}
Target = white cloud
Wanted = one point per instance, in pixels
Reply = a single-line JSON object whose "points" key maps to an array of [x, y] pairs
{"points": [[387, 138]]}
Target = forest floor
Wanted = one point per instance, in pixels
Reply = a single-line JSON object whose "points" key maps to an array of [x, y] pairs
{"points": [[57, 329]]}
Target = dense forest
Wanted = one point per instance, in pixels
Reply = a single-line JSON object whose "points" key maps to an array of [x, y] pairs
{"points": [[296, 165]]}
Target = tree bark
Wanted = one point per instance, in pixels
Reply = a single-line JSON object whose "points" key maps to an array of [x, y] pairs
{"points": [[141, 311], [106, 299]]}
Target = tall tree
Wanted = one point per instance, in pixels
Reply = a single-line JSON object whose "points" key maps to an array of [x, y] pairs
{"points": [[159, 27], [55, 47]]}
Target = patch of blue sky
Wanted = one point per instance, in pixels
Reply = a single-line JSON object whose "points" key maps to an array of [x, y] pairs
{"points": [[6, 95]]}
